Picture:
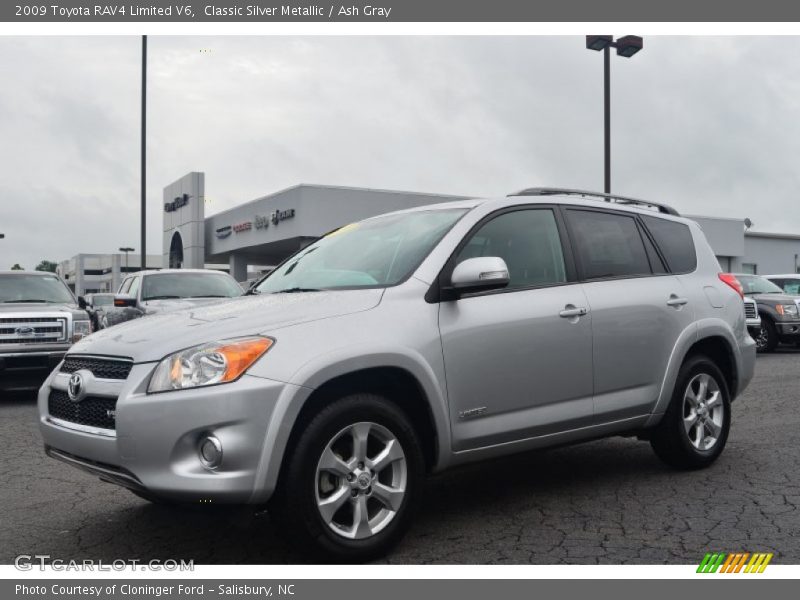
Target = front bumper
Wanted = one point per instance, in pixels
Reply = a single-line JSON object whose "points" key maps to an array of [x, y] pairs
{"points": [[788, 331], [25, 371], [155, 444]]}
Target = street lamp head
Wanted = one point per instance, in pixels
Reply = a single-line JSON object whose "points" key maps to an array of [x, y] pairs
{"points": [[629, 45], [598, 42], [126, 249]]}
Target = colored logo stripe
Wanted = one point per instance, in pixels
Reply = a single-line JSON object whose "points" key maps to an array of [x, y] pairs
{"points": [[735, 562], [711, 562]]}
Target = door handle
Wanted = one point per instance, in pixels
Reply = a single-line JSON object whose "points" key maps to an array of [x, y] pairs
{"points": [[570, 311], [676, 302]]}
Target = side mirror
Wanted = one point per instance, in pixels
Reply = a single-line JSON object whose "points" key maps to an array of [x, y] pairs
{"points": [[82, 302], [124, 301], [479, 274]]}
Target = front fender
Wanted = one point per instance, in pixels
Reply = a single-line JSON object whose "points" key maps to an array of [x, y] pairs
{"points": [[326, 367]]}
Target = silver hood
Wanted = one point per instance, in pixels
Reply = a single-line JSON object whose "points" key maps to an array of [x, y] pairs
{"points": [[153, 337], [152, 307], [42, 307]]}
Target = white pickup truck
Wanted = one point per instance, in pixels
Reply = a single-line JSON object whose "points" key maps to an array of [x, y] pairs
{"points": [[40, 318]]}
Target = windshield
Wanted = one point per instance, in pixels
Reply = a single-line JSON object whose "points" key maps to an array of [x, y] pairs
{"points": [[34, 288], [189, 285], [753, 284], [105, 300], [378, 252]]}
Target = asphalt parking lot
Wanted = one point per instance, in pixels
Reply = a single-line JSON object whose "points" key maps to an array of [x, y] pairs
{"points": [[609, 501]]}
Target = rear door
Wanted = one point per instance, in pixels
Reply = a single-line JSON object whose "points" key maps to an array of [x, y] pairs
{"points": [[639, 310]]}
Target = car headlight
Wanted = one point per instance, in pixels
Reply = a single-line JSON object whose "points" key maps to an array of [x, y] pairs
{"points": [[787, 310], [208, 364], [80, 329]]}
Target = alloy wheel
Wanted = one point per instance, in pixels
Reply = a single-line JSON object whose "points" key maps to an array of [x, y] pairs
{"points": [[360, 481], [703, 411], [762, 341]]}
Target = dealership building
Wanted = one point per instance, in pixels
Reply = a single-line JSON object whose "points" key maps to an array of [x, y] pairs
{"points": [[261, 233]]}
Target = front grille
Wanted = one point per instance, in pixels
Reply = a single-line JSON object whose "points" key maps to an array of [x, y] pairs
{"points": [[100, 367], [750, 310], [33, 330], [92, 410]]}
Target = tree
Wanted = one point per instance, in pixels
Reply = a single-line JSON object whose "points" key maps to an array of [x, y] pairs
{"points": [[16, 267], [46, 265]]}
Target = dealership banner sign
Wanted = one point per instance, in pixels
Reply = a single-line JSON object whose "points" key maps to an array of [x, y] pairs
{"points": [[400, 11]]}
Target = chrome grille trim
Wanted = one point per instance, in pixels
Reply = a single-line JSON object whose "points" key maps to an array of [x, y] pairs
{"points": [[44, 329]]}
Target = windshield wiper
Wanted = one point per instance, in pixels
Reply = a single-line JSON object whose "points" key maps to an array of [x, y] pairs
{"points": [[160, 298], [209, 296], [296, 290], [26, 300]]}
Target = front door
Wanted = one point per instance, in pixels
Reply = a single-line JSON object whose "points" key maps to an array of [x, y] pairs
{"points": [[518, 361]]}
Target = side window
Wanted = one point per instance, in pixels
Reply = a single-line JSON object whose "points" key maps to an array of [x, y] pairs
{"points": [[134, 286], [781, 283], [656, 264], [675, 241], [791, 286], [529, 242], [123, 289], [608, 244]]}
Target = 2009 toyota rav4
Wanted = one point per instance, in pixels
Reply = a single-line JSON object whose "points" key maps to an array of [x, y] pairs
{"points": [[409, 343]]}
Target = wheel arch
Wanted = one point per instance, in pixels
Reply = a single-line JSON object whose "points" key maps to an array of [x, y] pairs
{"points": [[409, 382], [712, 337]]}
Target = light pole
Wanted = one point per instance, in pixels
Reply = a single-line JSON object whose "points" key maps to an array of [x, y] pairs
{"points": [[126, 249], [144, 153], [626, 47]]}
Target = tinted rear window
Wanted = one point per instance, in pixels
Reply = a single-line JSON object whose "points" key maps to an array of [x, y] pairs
{"points": [[608, 245], [675, 241]]}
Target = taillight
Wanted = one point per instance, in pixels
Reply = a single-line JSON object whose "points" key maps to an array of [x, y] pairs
{"points": [[730, 279]]}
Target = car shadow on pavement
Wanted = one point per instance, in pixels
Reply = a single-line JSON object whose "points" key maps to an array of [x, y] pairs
{"points": [[459, 505]]}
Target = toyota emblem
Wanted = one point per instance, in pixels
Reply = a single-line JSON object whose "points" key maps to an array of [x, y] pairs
{"points": [[75, 387]]}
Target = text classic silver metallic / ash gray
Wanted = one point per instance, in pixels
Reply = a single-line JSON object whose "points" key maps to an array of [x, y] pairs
{"points": [[409, 343]]}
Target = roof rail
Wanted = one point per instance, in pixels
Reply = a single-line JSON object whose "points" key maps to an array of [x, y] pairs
{"points": [[542, 191]]}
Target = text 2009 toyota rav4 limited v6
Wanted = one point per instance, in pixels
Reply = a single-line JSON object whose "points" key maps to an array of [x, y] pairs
{"points": [[408, 343]]}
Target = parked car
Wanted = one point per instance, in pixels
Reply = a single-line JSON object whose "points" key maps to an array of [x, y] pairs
{"points": [[152, 292], [96, 305], [752, 319], [788, 282], [779, 312], [40, 318], [410, 343]]}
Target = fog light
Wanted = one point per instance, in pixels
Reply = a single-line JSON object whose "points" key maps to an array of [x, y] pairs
{"points": [[210, 451]]}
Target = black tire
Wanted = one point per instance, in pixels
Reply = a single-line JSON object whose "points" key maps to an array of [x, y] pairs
{"points": [[670, 439], [294, 504], [768, 340]]}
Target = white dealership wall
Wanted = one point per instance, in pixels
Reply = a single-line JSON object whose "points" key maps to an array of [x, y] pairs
{"points": [[184, 215], [266, 230], [91, 273]]}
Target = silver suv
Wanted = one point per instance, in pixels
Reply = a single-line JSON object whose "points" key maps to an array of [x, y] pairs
{"points": [[409, 343]]}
